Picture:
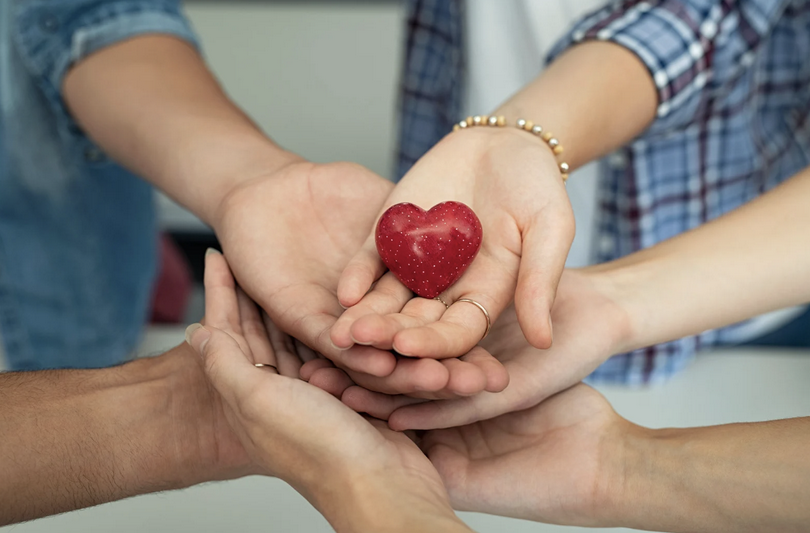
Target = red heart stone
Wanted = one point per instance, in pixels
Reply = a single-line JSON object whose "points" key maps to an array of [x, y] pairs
{"points": [[428, 250]]}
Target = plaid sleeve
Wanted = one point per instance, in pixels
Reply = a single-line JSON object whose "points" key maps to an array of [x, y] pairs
{"points": [[686, 45]]}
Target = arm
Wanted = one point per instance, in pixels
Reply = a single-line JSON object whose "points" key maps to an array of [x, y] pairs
{"points": [[154, 106], [595, 98], [749, 262], [737, 477], [78, 438]]}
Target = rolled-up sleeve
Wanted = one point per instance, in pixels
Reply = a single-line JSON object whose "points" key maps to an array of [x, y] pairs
{"points": [[51, 35], [679, 41]]}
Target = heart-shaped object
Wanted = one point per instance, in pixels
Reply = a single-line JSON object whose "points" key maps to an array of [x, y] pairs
{"points": [[428, 250]]}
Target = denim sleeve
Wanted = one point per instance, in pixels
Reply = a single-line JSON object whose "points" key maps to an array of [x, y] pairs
{"points": [[688, 46], [51, 35]]}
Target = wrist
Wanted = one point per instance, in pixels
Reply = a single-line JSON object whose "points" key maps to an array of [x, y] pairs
{"points": [[191, 442], [521, 124], [252, 163], [375, 502], [647, 292], [658, 472], [610, 291]]}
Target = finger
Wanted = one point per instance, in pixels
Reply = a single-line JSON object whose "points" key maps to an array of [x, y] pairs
{"points": [[228, 368], [388, 296], [452, 462], [376, 404], [546, 243], [463, 411], [497, 377], [464, 324], [332, 380], [465, 379], [310, 367], [255, 333], [288, 361], [469, 375], [369, 360], [410, 376], [304, 352], [363, 269], [379, 330], [221, 307]]}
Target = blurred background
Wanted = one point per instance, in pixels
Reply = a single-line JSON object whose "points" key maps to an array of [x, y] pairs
{"points": [[321, 78]]}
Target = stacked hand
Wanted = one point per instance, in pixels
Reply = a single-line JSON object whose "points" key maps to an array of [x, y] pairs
{"points": [[589, 327], [571, 442]]}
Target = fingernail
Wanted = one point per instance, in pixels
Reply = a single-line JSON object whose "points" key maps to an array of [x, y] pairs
{"points": [[355, 341], [211, 251], [400, 352], [336, 347], [191, 330]]}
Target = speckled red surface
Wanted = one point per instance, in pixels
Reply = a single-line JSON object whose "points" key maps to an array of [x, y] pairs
{"points": [[428, 250]]}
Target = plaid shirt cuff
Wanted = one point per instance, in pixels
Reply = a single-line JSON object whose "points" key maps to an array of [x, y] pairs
{"points": [[673, 38]]}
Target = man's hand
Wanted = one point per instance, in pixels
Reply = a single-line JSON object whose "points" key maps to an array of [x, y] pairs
{"points": [[512, 182], [362, 476]]}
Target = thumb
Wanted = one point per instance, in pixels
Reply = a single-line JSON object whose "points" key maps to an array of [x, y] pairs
{"points": [[363, 270], [225, 364], [545, 248]]}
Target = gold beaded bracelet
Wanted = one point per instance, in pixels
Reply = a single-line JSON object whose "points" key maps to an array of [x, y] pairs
{"points": [[526, 125]]}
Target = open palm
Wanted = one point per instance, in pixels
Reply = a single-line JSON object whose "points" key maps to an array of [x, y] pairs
{"points": [[512, 182]]}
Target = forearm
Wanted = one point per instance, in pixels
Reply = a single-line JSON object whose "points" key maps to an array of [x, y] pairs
{"points": [[152, 105], [76, 438], [748, 262], [735, 478], [594, 98]]}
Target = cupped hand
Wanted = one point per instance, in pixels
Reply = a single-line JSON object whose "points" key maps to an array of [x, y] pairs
{"points": [[559, 462], [511, 181], [293, 430], [589, 327], [288, 236]]}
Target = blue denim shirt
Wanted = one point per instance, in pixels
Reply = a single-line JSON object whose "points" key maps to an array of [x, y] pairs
{"points": [[77, 232]]}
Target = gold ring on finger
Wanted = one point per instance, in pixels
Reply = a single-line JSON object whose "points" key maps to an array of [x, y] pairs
{"points": [[483, 310]]}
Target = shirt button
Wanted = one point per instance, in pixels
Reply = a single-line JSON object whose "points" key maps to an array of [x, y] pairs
{"points": [[93, 155], [49, 23]]}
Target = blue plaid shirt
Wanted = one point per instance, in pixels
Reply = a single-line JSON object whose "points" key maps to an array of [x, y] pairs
{"points": [[733, 81]]}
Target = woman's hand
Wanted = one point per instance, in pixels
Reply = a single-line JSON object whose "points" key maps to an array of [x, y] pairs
{"points": [[360, 475], [512, 182]]}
